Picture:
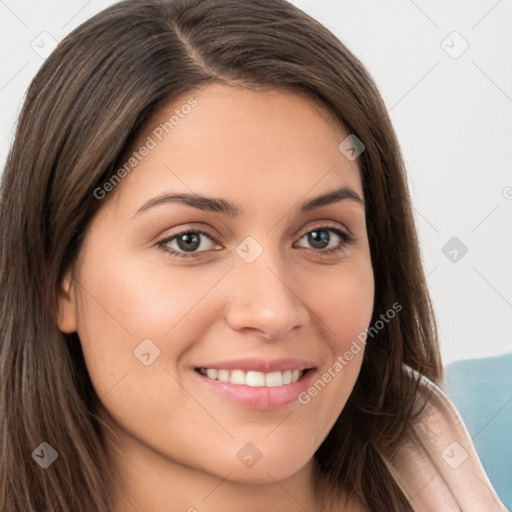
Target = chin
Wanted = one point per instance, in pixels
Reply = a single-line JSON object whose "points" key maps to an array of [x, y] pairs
{"points": [[263, 465]]}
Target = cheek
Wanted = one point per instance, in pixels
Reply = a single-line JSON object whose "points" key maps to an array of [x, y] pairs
{"points": [[343, 303], [123, 304], [343, 309]]}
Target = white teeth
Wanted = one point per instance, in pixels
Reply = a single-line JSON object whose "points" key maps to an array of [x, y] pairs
{"points": [[212, 374], [237, 377], [252, 378], [255, 379], [223, 376], [274, 379]]}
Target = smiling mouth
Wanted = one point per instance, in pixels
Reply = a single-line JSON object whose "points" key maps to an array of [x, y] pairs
{"points": [[257, 384], [253, 378]]}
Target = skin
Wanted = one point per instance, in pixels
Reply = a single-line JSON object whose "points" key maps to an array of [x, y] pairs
{"points": [[266, 151]]}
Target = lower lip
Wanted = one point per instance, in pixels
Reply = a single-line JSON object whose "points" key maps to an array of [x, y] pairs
{"points": [[261, 398]]}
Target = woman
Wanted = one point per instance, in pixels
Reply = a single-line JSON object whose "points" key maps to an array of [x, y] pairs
{"points": [[213, 293]]}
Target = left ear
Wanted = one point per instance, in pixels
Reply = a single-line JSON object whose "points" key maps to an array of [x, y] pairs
{"points": [[67, 317]]}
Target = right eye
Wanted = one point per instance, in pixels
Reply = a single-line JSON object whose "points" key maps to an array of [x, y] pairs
{"points": [[185, 244]]}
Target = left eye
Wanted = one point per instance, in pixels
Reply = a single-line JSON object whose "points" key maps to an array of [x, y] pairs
{"points": [[320, 239]]}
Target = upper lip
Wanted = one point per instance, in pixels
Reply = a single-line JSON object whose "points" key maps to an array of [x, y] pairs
{"points": [[260, 365]]}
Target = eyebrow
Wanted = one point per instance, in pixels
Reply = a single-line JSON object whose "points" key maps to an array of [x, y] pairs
{"points": [[218, 205]]}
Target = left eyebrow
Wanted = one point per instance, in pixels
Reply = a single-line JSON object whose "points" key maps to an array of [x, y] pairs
{"points": [[218, 205], [335, 196]]}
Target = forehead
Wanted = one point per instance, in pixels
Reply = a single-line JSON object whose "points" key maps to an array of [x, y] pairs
{"points": [[241, 142]]}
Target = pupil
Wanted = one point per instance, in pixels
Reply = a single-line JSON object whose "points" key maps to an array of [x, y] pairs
{"points": [[319, 239], [188, 241]]}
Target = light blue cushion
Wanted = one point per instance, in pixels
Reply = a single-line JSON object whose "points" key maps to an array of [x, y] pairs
{"points": [[481, 389]]}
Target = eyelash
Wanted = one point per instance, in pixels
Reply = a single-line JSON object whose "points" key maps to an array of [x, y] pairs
{"points": [[347, 239]]}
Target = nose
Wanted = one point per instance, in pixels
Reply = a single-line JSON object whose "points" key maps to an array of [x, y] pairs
{"points": [[263, 299]]}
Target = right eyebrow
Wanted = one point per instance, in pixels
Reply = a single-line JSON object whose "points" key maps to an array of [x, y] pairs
{"points": [[208, 204]]}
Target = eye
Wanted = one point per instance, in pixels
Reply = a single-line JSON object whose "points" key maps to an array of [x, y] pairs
{"points": [[322, 240], [187, 243]]}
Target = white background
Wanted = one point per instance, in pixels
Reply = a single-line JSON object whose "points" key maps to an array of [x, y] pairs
{"points": [[453, 118]]}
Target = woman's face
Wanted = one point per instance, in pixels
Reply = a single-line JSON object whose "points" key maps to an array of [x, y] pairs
{"points": [[251, 281]]}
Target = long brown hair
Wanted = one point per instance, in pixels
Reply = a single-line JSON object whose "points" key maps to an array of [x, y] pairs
{"points": [[82, 113]]}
